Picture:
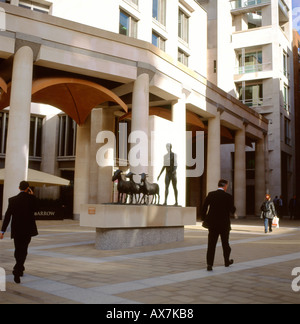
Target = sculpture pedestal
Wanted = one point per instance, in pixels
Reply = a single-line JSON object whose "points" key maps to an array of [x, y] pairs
{"points": [[127, 226]]}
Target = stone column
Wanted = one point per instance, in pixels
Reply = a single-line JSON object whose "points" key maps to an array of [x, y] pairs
{"points": [[260, 186], [105, 172], [2, 19], [240, 173], [49, 155], [82, 167], [139, 122], [101, 156], [213, 153], [96, 116], [16, 161], [179, 147]]}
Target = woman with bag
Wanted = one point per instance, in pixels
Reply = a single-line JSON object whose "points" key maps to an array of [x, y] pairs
{"points": [[268, 212]]}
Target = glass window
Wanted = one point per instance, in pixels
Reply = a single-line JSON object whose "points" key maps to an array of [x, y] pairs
{"points": [[251, 94], [250, 165], [35, 144], [287, 130], [67, 137], [183, 26], [286, 97], [35, 140], [254, 19], [183, 57], [158, 41], [215, 66], [251, 62], [285, 64], [128, 25], [159, 11]]}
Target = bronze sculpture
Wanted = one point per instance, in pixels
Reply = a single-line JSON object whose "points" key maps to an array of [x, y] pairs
{"points": [[134, 190], [149, 189], [124, 187], [170, 165]]}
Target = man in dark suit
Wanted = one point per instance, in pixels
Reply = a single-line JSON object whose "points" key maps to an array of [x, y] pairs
{"points": [[21, 210], [220, 205]]}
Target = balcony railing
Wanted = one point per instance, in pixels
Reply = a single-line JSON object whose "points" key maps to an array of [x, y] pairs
{"points": [[253, 68], [240, 4], [257, 102], [252, 103]]}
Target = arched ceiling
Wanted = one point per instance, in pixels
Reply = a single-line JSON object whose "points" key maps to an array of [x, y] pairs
{"points": [[76, 97], [3, 85]]}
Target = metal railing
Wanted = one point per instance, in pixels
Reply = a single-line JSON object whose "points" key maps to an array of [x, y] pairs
{"points": [[239, 4], [252, 103], [253, 68], [257, 102]]}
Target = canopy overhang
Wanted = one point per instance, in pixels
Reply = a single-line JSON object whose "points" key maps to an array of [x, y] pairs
{"points": [[40, 179]]}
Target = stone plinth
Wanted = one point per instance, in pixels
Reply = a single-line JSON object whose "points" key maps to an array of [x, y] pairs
{"points": [[126, 226]]}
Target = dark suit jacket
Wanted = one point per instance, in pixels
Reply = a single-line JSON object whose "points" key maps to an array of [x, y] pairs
{"points": [[220, 205], [21, 210]]}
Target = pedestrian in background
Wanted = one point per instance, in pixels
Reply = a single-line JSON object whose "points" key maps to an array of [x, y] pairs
{"points": [[280, 210], [216, 212], [268, 212], [293, 208]]}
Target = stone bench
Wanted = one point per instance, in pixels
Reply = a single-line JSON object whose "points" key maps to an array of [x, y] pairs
{"points": [[127, 226]]}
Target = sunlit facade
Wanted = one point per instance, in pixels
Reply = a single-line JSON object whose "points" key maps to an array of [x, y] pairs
{"points": [[250, 57], [148, 58]]}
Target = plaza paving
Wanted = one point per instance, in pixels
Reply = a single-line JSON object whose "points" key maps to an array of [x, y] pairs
{"points": [[63, 267]]}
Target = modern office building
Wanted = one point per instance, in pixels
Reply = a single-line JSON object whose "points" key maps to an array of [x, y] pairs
{"points": [[72, 73], [296, 52], [250, 57]]}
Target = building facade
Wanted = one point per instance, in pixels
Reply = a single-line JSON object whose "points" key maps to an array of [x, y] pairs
{"points": [[89, 74], [296, 54], [250, 57]]}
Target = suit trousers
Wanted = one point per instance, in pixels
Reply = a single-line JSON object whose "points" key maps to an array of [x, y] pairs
{"points": [[21, 251], [213, 237]]}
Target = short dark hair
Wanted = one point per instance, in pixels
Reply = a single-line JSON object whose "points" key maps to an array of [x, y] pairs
{"points": [[222, 183], [23, 185]]}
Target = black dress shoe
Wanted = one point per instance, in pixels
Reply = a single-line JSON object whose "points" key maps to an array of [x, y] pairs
{"points": [[17, 279], [227, 264], [209, 268]]}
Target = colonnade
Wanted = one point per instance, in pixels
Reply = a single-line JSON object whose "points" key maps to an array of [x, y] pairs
{"points": [[140, 116], [240, 185], [93, 183]]}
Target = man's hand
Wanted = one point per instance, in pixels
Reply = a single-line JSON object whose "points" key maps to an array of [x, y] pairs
{"points": [[30, 192]]}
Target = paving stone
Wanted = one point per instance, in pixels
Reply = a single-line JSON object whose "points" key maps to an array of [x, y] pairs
{"points": [[63, 268]]}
